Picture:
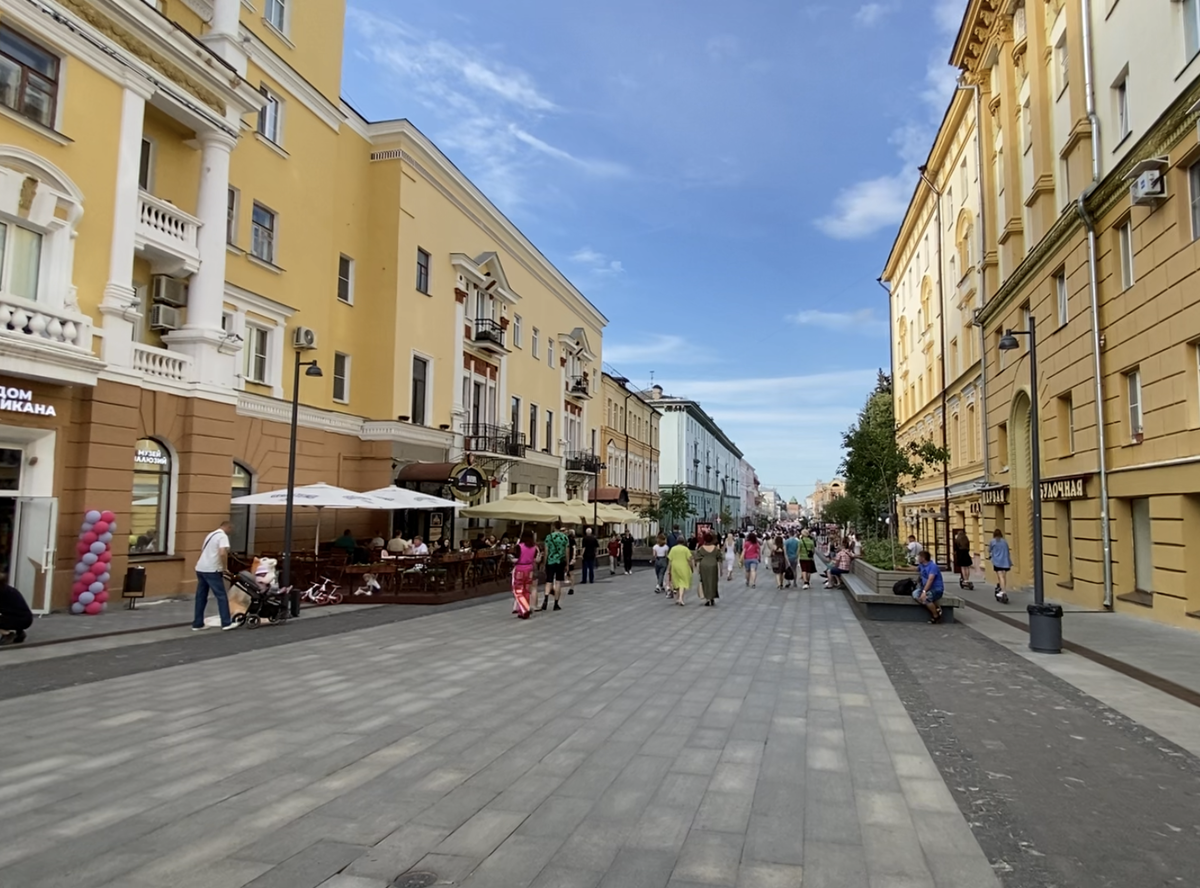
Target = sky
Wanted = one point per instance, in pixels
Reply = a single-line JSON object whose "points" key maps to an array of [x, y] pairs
{"points": [[723, 183]]}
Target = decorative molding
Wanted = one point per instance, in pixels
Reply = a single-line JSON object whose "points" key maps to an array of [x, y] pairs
{"points": [[326, 110]]}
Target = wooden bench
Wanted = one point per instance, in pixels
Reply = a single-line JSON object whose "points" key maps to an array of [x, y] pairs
{"points": [[872, 589]]}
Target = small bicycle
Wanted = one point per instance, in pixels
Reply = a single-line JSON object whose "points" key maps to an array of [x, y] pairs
{"points": [[325, 592]]}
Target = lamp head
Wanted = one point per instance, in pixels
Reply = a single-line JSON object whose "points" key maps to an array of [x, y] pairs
{"points": [[1008, 342], [313, 370]]}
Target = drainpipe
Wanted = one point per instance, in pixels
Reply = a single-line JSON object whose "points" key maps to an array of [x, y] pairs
{"points": [[1094, 291]]}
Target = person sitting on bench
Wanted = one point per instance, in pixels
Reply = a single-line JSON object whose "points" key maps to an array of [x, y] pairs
{"points": [[15, 615]]}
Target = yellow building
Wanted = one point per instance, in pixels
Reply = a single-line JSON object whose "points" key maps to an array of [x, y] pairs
{"points": [[187, 212], [1091, 190], [826, 492], [629, 433], [932, 274]]}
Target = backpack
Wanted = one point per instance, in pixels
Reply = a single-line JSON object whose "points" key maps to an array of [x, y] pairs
{"points": [[904, 587]]}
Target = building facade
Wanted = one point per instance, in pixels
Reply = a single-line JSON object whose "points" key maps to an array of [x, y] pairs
{"points": [[751, 493], [826, 492], [934, 280], [1090, 188], [699, 456], [163, 275], [630, 445]]}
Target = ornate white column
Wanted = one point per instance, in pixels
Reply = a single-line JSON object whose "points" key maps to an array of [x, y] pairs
{"points": [[222, 37], [202, 337], [119, 307]]}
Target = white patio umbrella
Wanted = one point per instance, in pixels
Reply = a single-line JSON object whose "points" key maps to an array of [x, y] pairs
{"points": [[402, 498], [316, 496]]}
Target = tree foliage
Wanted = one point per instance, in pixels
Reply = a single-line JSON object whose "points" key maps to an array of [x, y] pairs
{"points": [[841, 511], [877, 467], [674, 506]]}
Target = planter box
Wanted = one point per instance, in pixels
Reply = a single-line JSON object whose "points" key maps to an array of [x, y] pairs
{"points": [[880, 603], [881, 581]]}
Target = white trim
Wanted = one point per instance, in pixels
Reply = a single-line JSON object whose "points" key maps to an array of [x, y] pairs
{"points": [[275, 136], [270, 63], [254, 406], [345, 399], [349, 281]]}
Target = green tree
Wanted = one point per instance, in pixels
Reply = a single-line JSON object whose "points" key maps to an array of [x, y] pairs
{"points": [[842, 511], [674, 506], [727, 518], [877, 467]]}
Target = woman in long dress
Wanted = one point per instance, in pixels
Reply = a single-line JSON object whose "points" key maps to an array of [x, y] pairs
{"points": [[730, 556], [708, 561], [680, 560], [526, 556]]}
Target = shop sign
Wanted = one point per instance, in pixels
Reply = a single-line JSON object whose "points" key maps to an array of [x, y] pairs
{"points": [[468, 483], [150, 458], [15, 400], [1064, 489], [994, 496]]}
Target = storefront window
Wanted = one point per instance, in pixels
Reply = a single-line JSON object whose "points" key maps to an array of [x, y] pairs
{"points": [[239, 537], [150, 528]]}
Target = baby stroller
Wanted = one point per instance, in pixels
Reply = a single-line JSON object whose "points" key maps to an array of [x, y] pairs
{"points": [[267, 601]]}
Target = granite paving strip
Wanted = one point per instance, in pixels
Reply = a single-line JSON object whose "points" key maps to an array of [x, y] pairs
{"points": [[621, 742]]}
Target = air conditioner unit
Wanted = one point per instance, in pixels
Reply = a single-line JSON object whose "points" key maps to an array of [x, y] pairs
{"points": [[1149, 188], [167, 290], [164, 317], [304, 338]]}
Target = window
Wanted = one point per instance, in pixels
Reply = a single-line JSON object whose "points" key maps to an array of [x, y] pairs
{"points": [[275, 12], [20, 261], [1194, 196], [550, 352], [1002, 444], [533, 341], [1060, 295], [231, 213], [1026, 126], [1133, 388], [1125, 249], [241, 484], [145, 165], [533, 426], [28, 77], [517, 339], [515, 415], [341, 378], [262, 234], [1121, 103], [149, 526], [963, 181], [1191, 27], [420, 390], [256, 354], [550, 431], [423, 271], [1066, 425], [345, 284], [270, 117], [1143, 545], [1062, 64]]}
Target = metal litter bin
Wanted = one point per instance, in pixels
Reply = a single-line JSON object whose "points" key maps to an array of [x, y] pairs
{"points": [[1045, 628]]}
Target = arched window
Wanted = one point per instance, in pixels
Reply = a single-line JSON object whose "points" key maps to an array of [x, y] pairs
{"points": [[150, 527], [241, 484]]}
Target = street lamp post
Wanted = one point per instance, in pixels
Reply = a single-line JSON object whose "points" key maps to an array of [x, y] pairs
{"points": [[312, 369], [1045, 622]]}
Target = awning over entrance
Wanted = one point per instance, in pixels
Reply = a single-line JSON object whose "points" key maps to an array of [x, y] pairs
{"points": [[605, 495], [426, 472]]}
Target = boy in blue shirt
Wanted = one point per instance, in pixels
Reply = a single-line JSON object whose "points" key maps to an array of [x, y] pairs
{"points": [[930, 591]]}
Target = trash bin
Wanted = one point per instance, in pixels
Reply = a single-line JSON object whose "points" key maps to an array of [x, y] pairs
{"points": [[1045, 628], [135, 584]]}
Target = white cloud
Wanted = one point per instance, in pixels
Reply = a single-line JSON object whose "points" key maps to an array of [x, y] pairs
{"points": [[866, 207], [870, 14], [948, 14], [862, 321], [660, 349], [597, 263], [601, 168]]}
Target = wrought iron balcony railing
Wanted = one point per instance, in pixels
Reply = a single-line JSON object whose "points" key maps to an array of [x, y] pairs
{"points": [[579, 386], [493, 439], [490, 332], [583, 461]]}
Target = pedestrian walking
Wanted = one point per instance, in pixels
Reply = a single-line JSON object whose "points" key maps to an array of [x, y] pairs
{"points": [[791, 549], [962, 559], [210, 577], [556, 565], [525, 558], [778, 561], [808, 563], [914, 551], [15, 614], [673, 536], [750, 555], [572, 548], [931, 589], [661, 551], [680, 558], [730, 556], [1001, 558], [627, 552], [591, 553], [708, 563], [614, 554]]}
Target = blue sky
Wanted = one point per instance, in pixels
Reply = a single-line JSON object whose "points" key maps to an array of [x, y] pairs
{"points": [[723, 182]]}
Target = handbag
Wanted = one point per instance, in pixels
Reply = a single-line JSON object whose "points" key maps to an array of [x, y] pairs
{"points": [[789, 574]]}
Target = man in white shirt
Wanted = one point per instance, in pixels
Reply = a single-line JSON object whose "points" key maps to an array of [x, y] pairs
{"points": [[398, 545], [419, 547], [377, 542], [210, 573], [914, 550]]}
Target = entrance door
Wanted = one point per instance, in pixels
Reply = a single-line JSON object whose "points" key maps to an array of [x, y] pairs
{"points": [[32, 569]]}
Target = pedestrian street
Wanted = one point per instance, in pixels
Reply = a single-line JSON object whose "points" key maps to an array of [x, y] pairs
{"points": [[621, 742]]}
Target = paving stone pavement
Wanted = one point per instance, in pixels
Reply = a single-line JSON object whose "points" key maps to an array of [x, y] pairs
{"points": [[624, 742]]}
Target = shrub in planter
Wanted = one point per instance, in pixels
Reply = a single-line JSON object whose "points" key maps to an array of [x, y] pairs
{"points": [[884, 554]]}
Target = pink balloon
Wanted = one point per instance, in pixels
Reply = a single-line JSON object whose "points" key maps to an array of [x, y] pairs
{"points": [[104, 557], [88, 578], [102, 597], [81, 547], [108, 517], [75, 596], [77, 588], [89, 537], [100, 527], [94, 608]]}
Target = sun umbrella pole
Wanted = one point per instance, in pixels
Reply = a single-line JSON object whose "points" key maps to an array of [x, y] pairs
{"points": [[317, 544]]}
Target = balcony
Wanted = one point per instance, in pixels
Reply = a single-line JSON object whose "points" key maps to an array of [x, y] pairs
{"points": [[494, 440], [161, 365], [489, 335], [39, 342], [167, 236], [579, 387], [583, 462]]}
